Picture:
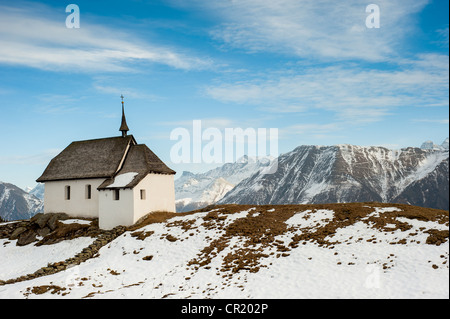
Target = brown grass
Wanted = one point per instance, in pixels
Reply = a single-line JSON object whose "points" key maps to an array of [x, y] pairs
{"points": [[260, 228], [39, 290], [154, 217]]}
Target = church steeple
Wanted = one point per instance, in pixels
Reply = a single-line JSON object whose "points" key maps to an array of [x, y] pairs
{"points": [[123, 126]]}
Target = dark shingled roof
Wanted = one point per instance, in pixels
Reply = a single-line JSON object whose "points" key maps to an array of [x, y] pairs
{"points": [[141, 160], [101, 158]]}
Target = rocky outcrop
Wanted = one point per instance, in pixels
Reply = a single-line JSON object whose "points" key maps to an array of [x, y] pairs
{"points": [[46, 229], [27, 232]]}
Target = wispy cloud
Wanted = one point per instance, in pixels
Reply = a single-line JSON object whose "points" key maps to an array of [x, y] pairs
{"points": [[218, 122], [56, 103], [33, 159], [443, 37], [352, 93], [39, 39], [313, 28], [126, 91]]}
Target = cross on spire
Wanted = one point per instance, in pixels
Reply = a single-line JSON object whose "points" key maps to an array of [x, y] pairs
{"points": [[123, 126]]}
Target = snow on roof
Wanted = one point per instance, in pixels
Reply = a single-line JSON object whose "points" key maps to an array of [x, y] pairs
{"points": [[123, 180]]}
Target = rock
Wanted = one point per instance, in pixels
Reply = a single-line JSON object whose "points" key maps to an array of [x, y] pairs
{"points": [[171, 238], [53, 222], [26, 237], [17, 232], [42, 220], [39, 272], [36, 217], [43, 231]]}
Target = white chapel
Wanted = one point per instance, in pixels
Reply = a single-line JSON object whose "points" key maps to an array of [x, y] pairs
{"points": [[113, 179]]}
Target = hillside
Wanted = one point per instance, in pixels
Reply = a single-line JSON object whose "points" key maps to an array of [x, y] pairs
{"points": [[359, 250]]}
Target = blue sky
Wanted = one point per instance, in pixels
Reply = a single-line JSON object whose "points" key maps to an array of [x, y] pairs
{"points": [[311, 69]]}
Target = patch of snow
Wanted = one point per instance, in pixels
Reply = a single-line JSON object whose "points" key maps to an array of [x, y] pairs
{"points": [[18, 261], [183, 201], [123, 180], [76, 221], [311, 219], [381, 210]]}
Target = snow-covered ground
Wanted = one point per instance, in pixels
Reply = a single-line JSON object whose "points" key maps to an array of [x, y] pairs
{"points": [[360, 261], [18, 261]]}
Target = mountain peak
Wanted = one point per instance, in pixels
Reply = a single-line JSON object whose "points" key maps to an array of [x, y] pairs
{"points": [[16, 204], [445, 144], [187, 174], [429, 145]]}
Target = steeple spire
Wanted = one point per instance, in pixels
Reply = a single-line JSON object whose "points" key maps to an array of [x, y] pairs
{"points": [[123, 126]]}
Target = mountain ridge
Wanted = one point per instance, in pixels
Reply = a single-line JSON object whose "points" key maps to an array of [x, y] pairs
{"points": [[194, 191], [349, 173], [16, 204]]}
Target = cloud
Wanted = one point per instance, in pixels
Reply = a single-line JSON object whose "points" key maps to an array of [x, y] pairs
{"points": [[351, 93], [443, 37], [33, 159], [56, 103], [205, 122], [36, 36], [127, 92], [316, 29]]}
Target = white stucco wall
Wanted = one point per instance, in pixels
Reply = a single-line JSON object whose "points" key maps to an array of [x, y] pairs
{"points": [[159, 195], [115, 212], [78, 206]]}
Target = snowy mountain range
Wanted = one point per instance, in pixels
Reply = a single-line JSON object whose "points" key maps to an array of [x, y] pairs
{"points": [[194, 191], [308, 174], [16, 204], [349, 173], [325, 174]]}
